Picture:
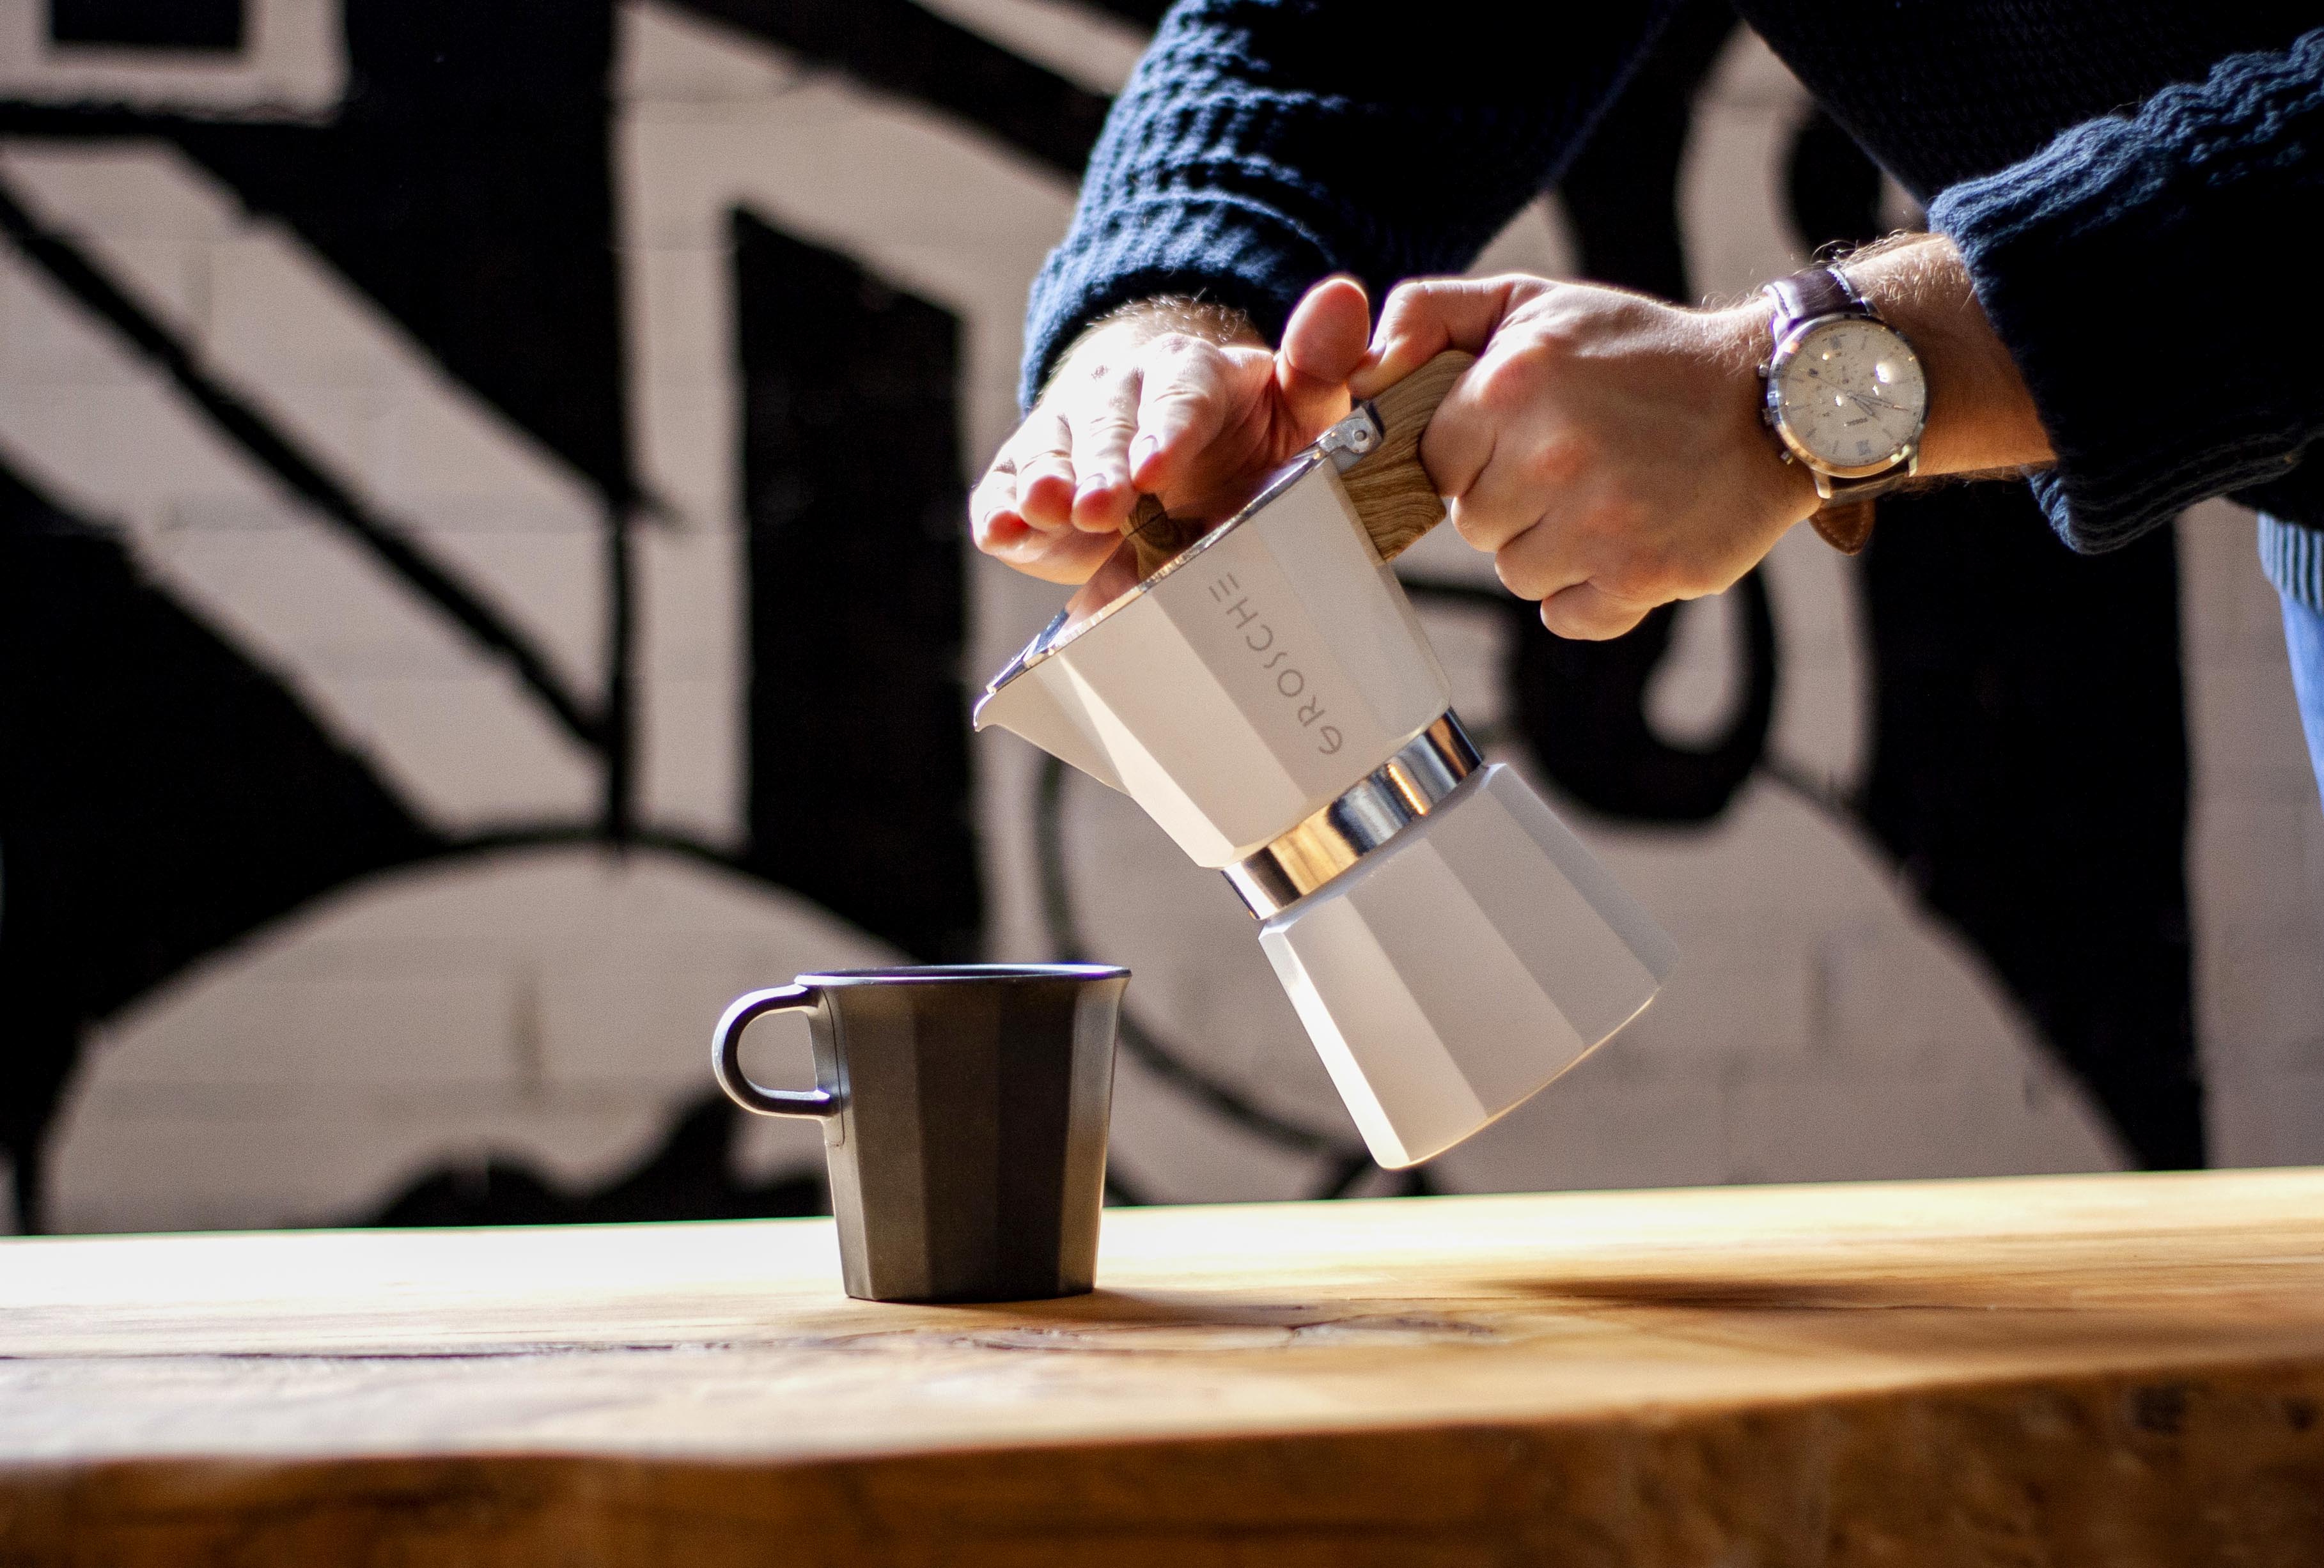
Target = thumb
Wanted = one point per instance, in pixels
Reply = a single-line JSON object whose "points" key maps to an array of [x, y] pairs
{"points": [[1321, 342], [1423, 320]]}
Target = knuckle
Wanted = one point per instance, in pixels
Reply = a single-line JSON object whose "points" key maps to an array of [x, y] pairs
{"points": [[1410, 306], [1643, 574], [1036, 438], [1052, 469], [1517, 575], [985, 513], [1180, 350], [1475, 525], [1180, 397], [1511, 382], [1555, 333], [1561, 460], [1585, 617], [1108, 427]]}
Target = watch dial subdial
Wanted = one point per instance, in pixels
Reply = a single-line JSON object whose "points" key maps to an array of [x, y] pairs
{"points": [[1853, 394]]}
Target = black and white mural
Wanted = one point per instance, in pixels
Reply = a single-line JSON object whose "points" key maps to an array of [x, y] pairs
{"points": [[482, 579]]}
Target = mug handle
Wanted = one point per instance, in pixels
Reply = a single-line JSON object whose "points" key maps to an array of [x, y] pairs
{"points": [[726, 1056]]}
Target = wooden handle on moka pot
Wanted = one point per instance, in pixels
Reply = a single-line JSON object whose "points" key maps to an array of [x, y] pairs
{"points": [[1390, 490]]}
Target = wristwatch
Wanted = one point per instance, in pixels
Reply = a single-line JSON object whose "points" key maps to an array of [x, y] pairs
{"points": [[1845, 396]]}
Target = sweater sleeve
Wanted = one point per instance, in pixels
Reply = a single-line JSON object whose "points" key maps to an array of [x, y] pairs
{"points": [[2146, 274], [1261, 144]]}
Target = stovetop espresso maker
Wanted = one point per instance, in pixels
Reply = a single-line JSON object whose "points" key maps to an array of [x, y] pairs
{"points": [[1267, 695]]}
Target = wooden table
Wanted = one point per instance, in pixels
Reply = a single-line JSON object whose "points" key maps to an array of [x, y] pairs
{"points": [[2111, 1370]]}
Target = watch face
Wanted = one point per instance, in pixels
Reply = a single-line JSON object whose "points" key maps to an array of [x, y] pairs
{"points": [[1850, 395]]}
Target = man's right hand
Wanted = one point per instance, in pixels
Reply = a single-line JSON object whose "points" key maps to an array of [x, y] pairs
{"points": [[1170, 400]]}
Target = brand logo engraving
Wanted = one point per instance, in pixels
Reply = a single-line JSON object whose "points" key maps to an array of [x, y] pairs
{"points": [[1290, 682]]}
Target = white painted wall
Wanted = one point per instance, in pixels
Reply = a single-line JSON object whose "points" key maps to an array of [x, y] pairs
{"points": [[553, 1005]]}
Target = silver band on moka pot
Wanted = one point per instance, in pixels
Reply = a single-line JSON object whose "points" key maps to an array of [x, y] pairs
{"points": [[1393, 796]]}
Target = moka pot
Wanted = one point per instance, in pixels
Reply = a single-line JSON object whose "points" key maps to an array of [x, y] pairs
{"points": [[1270, 698]]}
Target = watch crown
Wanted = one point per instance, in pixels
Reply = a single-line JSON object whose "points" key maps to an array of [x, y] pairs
{"points": [[1760, 370]]}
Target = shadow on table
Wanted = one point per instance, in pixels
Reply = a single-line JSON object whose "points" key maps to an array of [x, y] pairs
{"points": [[1975, 1316]]}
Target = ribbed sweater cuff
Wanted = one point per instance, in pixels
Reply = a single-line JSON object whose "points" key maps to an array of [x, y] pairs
{"points": [[1212, 246], [2092, 260]]}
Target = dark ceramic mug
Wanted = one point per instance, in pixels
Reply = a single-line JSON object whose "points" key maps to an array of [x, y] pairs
{"points": [[963, 1113]]}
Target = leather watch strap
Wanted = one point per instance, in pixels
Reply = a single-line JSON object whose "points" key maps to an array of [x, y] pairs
{"points": [[1845, 525], [1817, 291]]}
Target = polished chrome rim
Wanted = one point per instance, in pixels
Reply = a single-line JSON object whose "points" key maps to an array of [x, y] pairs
{"points": [[949, 973], [1389, 798]]}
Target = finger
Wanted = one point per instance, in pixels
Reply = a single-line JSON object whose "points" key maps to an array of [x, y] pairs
{"points": [[1323, 344], [992, 517], [1522, 481], [1540, 560], [1186, 388], [1590, 614], [1044, 471], [997, 521], [1062, 558], [1465, 433], [1101, 430], [1067, 556], [1424, 318]]}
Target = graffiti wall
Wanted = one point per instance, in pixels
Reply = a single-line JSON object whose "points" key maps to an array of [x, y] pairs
{"points": [[483, 580]]}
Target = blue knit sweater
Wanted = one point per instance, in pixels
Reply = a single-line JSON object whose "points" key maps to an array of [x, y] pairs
{"points": [[2126, 178]]}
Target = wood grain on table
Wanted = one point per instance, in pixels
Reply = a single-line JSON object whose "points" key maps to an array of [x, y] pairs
{"points": [[2119, 1370]]}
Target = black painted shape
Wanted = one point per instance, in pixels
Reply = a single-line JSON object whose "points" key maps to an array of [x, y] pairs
{"points": [[205, 25], [159, 798], [1621, 189], [2029, 750], [902, 48], [1582, 707], [690, 1177], [1831, 187], [2029, 769], [303, 473], [466, 185], [852, 493]]}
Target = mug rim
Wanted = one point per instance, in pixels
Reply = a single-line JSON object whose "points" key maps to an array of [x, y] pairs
{"points": [[942, 973]]}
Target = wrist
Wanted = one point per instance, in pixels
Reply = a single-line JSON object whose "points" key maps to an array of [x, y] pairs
{"points": [[1981, 419], [1780, 491]]}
